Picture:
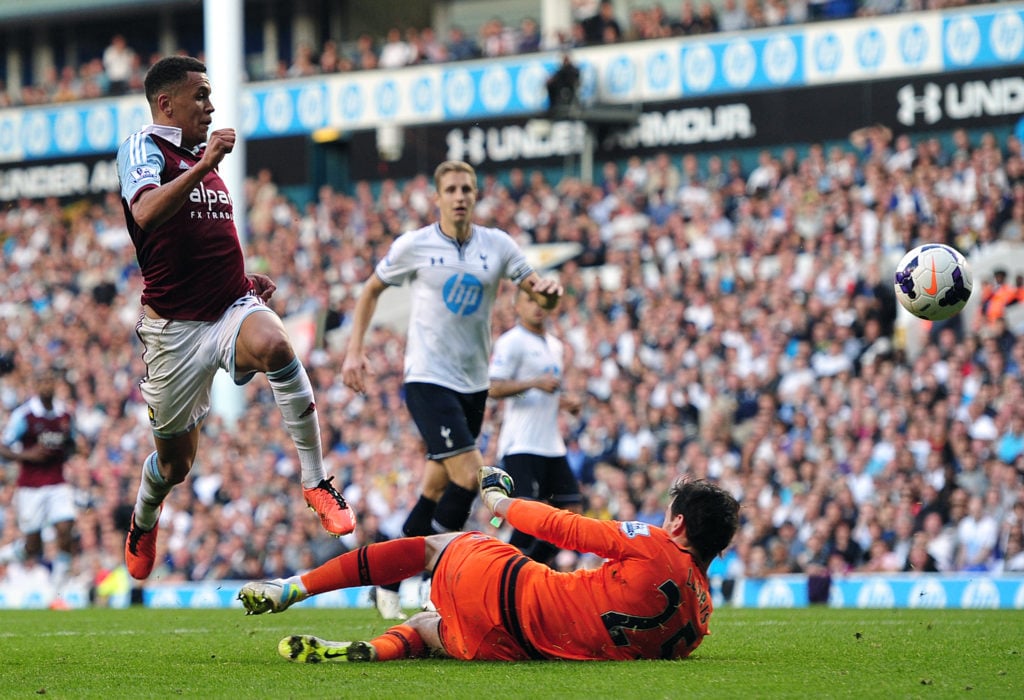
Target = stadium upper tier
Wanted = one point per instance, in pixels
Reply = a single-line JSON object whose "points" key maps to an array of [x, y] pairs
{"points": [[702, 68], [60, 51]]}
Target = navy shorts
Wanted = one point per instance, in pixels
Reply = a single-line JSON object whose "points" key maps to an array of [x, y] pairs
{"points": [[546, 479], [449, 421]]}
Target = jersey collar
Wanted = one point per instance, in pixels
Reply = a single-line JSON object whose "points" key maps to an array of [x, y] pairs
{"points": [[167, 133], [38, 409], [450, 239]]}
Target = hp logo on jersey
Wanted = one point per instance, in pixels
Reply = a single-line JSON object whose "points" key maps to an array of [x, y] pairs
{"points": [[463, 294]]}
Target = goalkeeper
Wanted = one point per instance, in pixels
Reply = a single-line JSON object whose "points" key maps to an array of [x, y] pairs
{"points": [[649, 600]]}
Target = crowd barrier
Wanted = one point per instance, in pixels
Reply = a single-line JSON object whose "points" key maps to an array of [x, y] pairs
{"points": [[960, 590], [937, 591]]}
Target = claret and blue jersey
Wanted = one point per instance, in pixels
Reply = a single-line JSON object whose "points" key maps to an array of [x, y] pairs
{"points": [[192, 264]]}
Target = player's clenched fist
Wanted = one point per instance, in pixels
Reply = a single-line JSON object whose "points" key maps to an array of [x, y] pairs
{"points": [[220, 143]]}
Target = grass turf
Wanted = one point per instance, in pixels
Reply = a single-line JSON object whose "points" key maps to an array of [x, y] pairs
{"points": [[800, 653]]}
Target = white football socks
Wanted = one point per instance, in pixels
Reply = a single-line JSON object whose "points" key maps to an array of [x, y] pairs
{"points": [[152, 492], [294, 396]]}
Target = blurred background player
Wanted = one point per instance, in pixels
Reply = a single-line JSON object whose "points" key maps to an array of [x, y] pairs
{"points": [[201, 312], [650, 599], [454, 268], [40, 436], [526, 371]]}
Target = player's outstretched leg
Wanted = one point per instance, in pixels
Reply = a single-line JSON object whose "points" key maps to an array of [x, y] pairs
{"points": [[272, 596], [378, 564], [307, 649]]}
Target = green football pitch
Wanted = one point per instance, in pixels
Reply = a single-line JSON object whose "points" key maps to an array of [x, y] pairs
{"points": [[801, 653]]}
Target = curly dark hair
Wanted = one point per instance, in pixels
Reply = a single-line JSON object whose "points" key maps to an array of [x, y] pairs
{"points": [[168, 72], [711, 514]]}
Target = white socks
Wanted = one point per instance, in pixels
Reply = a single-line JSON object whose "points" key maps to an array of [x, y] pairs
{"points": [[294, 395], [152, 492]]}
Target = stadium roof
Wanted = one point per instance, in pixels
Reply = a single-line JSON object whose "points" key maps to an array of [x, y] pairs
{"points": [[29, 10]]}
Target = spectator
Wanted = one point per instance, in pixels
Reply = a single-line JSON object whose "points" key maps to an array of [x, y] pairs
{"points": [[602, 27], [881, 559], [528, 39], [69, 87], [303, 63], [941, 542], [638, 27], [364, 56], [1014, 555], [732, 17], [707, 18], [497, 39], [118, 63], [997, 294], [919, 559], [845, 547], [430, 48], [330, 60], [412, 40], [584, 10], [977, 535], [396, 52], [687, 23], [780, 559], [461, 47]]}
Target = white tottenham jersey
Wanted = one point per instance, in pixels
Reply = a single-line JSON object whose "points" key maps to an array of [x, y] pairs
{"points": [[453, 289], [530, 422]]}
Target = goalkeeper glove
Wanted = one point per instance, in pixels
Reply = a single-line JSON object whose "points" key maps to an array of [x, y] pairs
{"points": [[495, 484]]}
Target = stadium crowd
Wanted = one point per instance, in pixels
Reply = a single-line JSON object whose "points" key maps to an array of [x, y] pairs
{"points": [[120, 67], [730, 324]]}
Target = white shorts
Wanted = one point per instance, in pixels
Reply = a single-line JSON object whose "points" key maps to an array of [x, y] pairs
{"points": [[182, 358], [41, 506]]}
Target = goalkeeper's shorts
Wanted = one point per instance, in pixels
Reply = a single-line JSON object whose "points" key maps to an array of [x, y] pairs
{"points": [[474, 589]]}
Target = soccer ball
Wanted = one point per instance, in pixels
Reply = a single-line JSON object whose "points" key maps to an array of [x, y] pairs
{"points": [[933, 282]]}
